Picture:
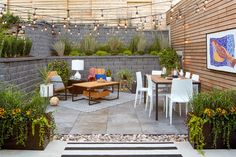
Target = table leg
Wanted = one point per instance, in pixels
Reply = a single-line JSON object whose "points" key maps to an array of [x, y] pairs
{"points": [[89, 97], [118, 92], [156, 101], [145, 85], [199, 87]]}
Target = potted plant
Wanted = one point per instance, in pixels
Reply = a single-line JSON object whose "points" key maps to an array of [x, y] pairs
{"points": [[169, 59], [125, 77], [23, 121], [108, 74], [46, 89], [211, 124]]}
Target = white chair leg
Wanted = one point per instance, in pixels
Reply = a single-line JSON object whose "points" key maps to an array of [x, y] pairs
{"points": [[186, 108], [151, 106], [180, 110], [136, 97], [140, 99], [170, 111], [146, 103], [167, 104]]}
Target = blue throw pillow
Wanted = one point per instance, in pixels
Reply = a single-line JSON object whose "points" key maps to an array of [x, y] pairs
{"points": [[103, 76]]}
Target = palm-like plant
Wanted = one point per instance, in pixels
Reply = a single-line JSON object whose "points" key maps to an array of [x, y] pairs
{"points": [[59, 47]]}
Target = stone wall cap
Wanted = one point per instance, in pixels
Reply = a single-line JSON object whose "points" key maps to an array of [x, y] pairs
{"points": [[20, 59]]}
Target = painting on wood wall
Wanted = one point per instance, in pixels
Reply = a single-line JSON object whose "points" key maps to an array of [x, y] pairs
{"points": [[221, 51]]}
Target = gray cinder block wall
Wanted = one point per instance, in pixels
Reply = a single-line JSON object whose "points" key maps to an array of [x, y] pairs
{"points": [[24, 72], [44, 39]]}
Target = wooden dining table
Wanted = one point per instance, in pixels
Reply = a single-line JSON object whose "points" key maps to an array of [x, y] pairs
{"points": [[157, 80]]}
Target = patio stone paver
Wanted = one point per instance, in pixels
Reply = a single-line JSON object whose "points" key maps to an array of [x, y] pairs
{"points": [[120, 119]]}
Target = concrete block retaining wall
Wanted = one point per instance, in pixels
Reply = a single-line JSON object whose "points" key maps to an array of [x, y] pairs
{"points": [[24, 72]]}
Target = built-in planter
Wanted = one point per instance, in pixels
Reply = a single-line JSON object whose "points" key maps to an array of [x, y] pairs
{"points": [[220, 144], [33, 141]]}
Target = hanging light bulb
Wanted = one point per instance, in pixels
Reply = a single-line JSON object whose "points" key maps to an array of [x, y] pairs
{"points": [[59, 32], [125, 25], [118, 26], [53, 24], [126, 31], [197, 8], [136, 10], [153, 22], [29, 24], [68, 15], [52, 31], [102, 13], [206, 1], [45, 28], [34, 22], [98, 33], [137, 29], [78, 33], [41, 30], [90, 33], [68, 30], [204, 7], [64, 25], [75, 25], [34, 14], [171, 17], [71, 33], [33, 28], [4, 9]]}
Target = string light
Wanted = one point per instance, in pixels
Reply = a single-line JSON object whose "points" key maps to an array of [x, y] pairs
{"points": [[68, 30], [78, 33], [98, 33], [126, 31], [59, 32], [45, 28], [34, 14], [53, 24], [136, 10], [180, 14], [75, 25], [33, 28], [102, 13], [206, 1], [34, 21], [197, 8], [125, 25], [68, 15]]}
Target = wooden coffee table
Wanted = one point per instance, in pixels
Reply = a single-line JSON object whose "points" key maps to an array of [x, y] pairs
{"points": [[91, 86]]}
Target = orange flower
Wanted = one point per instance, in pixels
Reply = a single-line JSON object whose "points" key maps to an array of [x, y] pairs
{"points": [[208, 112], [233, 109], [2, 112], [16, 111], [223, 112], [219, 110]]}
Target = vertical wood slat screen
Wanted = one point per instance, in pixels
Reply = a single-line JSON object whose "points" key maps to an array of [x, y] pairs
{"points": [[189, 35]]}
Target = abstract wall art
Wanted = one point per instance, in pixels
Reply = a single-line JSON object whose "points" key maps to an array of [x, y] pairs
{"points": [[221, 51]]}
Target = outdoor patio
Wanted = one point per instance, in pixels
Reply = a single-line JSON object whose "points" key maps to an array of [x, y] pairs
{"points": [[119, 119], [127, 78]]}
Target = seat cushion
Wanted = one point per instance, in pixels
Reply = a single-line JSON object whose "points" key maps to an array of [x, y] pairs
{"points": [[57, 83]]}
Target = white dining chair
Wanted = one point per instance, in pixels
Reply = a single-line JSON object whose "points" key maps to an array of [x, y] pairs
{"points": [[162, 89], [181, 92], [188, 75], [149, 99], [195, 77], [139, 89]]}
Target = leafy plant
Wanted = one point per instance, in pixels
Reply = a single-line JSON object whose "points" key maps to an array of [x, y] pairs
{"points": [[8, 20], [217, 109], [28, 46], [155, 46], [169, 59], [102, 53], [76, 53], [62, 69], [115, 46], [154, 53], [59, 47], [88, 45], [125, 74], [108, 72], [141, 46], [18, 112], [44, 75], [68, 46], [127, 53], [20, 44], [134, 44]]}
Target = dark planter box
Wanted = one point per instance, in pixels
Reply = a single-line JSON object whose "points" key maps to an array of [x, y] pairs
{"points": [[32, 142], [207, 132]]}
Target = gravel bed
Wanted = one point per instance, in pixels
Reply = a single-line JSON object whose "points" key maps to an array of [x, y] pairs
{"points": [[121, 138]]}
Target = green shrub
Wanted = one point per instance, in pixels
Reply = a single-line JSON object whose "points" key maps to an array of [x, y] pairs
{"points": [[102, 53], [169, 59], [88, 45], [10, 20], [115, 46], [62, 69], [141, 46], [154, 53], [59, 47], [28, 46], [103, 47], [125, 74], [127, 53], [75, 53], [155, 46], [20, 47], [134, 44]]}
